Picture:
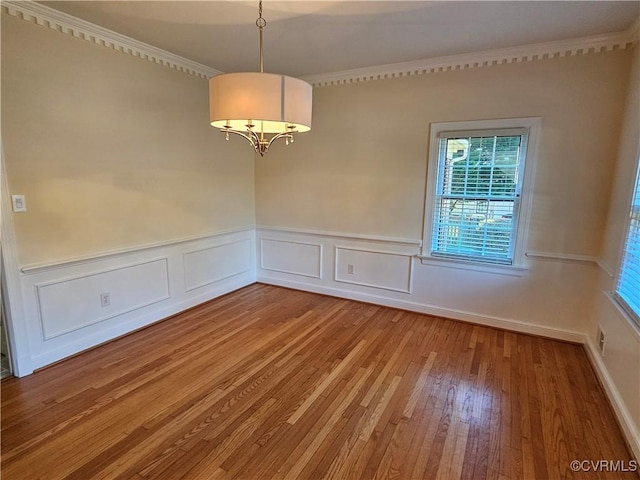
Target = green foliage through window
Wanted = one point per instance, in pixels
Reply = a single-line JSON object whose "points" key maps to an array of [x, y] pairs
{"points": [[477, 194]]}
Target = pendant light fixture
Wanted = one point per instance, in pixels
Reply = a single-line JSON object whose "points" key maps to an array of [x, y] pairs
{"points": [[261, 107]]}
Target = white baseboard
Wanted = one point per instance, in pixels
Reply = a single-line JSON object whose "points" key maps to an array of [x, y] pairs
{"points": [[64, 313], [136, 323], [629, 428], [496, 322]]}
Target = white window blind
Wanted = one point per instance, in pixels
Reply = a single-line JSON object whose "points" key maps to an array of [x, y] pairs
{"points": [[628, 287], [477, 194]]}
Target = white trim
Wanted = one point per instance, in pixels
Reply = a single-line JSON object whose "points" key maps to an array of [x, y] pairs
{"points": [[216, 279], [629, 428], [486, 58], [527, 194], [563, 257], [614, 272], [634, 328], [496, 322], [64, 23], [42, 15], [533, 126], [165, 277], [39, 286], [291, 272], [461, 264], [17, 332], [67, 262], [409, 288], [635, 188], [350, 236], [68, 24], [606, 268], [129, 326]]}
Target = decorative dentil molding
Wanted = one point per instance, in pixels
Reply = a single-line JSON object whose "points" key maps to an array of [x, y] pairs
{"points": [[519, 54], [64, 23]]}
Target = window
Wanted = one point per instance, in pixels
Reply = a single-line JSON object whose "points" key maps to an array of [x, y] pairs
{"points": [[475, 195], [628, 285]]}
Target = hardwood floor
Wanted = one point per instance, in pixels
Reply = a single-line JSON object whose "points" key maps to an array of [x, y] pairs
{"points": [[270, 383]]}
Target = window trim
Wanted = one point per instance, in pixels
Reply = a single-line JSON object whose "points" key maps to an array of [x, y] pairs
{"points": [[623, 314], [533, 126], [623, 307]]}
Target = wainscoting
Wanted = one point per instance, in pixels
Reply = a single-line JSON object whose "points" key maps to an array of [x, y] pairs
{"points": [[76, 304], [548, 297], [336, 264], [387, 271], [66, 312], [295, 258], [375, 268], [271, 383], [150, 282]]}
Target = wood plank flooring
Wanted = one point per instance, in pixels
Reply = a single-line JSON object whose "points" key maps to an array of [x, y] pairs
{"points": [[271, 383]]}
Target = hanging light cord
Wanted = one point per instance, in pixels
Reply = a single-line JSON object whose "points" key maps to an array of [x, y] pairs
{"points": [[261, 23], [259, 142]]}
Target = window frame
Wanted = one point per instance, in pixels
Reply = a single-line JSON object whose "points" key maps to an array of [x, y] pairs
{"points": [[626, 309], [532, 126]]}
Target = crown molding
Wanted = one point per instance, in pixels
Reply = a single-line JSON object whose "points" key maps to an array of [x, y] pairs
{"points": [[64, 23], [42, 15], [486, 58]]}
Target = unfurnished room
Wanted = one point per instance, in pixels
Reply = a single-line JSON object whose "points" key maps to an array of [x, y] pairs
{"points": [[320, 240]]}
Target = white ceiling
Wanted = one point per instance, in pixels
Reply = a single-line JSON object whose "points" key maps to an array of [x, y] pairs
{"points": [[310, 37]]}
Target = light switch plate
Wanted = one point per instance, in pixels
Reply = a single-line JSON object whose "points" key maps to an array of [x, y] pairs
{"points": [[19, 203]]}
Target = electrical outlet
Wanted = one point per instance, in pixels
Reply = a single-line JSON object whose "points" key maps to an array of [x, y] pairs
{"points": [[19, 203], [601, 340], [105, 299], [350, 269]]}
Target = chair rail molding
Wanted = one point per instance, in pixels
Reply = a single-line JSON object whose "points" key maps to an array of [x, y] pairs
{"points": [[388, 273], [64, 312], [346, 235], [67, 262], [563, 257]]}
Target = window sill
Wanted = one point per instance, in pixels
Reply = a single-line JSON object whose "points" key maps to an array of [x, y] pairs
{"points": [[496, 269], [633, 326]]}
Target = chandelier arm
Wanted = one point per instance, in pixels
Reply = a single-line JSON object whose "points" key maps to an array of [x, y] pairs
{"points": [[237, 132], [261, 147], [255, 140], [277, 136], [251, 139], [223, 88]]}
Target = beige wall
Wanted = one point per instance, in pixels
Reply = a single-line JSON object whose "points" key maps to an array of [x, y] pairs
{"points": [[362, 168], [111, 151], [622, 351], [624, 176]]}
